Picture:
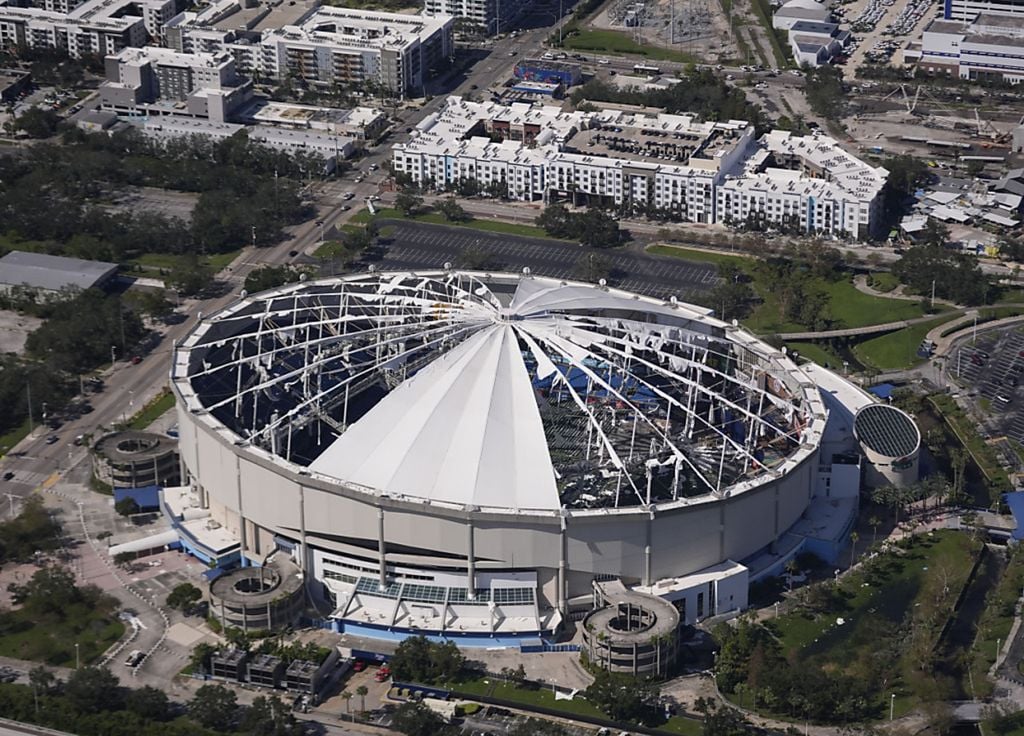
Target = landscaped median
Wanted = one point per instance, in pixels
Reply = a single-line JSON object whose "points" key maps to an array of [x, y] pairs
{"points": [[490, 226], [964, 429]]}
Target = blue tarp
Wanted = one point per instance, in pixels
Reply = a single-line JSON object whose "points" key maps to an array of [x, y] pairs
{"points": [[147, 498], [1015, 501], [882, 390]]}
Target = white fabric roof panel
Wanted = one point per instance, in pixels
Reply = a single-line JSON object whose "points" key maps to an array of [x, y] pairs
{"points": [[466, 429]]}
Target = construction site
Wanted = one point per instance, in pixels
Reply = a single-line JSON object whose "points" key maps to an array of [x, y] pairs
{"points": [[914, 118]]}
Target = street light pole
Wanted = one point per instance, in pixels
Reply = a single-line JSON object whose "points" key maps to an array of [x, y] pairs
{"points": [[78, 660], [892, 706], [113, 356]]}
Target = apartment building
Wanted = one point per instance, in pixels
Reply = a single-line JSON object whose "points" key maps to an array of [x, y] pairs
{"points": [[322, 46], [486, 17], [159, 81], [82, 28], [645, 162]]}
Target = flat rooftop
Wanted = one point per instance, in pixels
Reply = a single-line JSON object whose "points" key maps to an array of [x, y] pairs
{"points": [[52, 273]]}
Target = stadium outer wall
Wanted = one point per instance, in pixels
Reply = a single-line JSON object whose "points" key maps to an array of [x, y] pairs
{"points": [[638, 545]]}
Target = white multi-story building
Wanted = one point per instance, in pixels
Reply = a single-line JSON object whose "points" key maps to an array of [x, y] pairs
{"points": [[645, 162], [484, 16], [968, 10], [992, 46], [807, 183], [323, 46], [81, 28]]}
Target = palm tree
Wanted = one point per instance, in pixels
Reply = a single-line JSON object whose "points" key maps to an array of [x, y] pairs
{"points": [[346, 696], [792, 568], [874, 522], [361, 691], [854, 538]]}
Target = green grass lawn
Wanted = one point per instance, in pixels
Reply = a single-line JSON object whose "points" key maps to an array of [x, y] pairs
{"points": [[54, 643], [491, 226], [152, 411], [701, 256], [883, 281], [848, 306], [896, 350], [617, 42], [155, 263], [819, 353], [540, 697], [546, 698], [13, 437], [874, 602]]}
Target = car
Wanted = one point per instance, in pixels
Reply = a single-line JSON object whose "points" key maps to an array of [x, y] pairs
{"points": [[474, 86], [348, 195], [52, 439], [136, 359], [359, 665], [292, 253], [346, 207], [374, 167], [134, 658], [8, 475], [382, 674]]}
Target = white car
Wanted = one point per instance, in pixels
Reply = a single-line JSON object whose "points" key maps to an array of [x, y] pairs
{"points": [[348, 195], [134, 658]]}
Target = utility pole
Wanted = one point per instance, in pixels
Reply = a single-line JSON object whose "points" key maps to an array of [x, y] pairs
{"points": [[113, 356], [28, 390]]}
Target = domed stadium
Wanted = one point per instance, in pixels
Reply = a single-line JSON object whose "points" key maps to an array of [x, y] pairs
{"points": [[467, 454]]}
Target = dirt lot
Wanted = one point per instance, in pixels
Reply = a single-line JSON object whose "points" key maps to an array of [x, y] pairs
{"points": [[15, 329]]}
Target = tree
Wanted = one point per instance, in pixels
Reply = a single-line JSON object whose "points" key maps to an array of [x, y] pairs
{"points": [[361, 691], [123, 559], [93, 689], [733, 295], [721, 720], [592, 267], [346, 695], [874, 521], [416, 719], [200, 657], [537, 727], [792, 569], [408, 204], [624, 698], [38, 122], [269, 717], [270, 277], [184, 596], [417, 659], [42, 680], [189, 277], [214, 706], [149, 703], [451, 210], [127, 506], [854, 538], [935, 233]]}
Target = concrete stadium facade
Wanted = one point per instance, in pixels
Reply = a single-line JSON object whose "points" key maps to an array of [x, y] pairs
{"points": [[330, 524]]}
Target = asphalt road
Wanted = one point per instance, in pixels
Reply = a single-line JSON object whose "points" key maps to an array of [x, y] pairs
{"points": [[425, 246]]}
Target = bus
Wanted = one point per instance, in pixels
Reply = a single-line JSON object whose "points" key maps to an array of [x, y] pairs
{"points": [[645, 70]]}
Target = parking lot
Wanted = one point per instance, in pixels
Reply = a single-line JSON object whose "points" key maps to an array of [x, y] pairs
{"points": [[992, 369], [419, 245]]}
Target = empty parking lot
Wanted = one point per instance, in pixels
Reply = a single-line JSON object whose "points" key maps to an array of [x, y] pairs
{"points": [[424, 246]]}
